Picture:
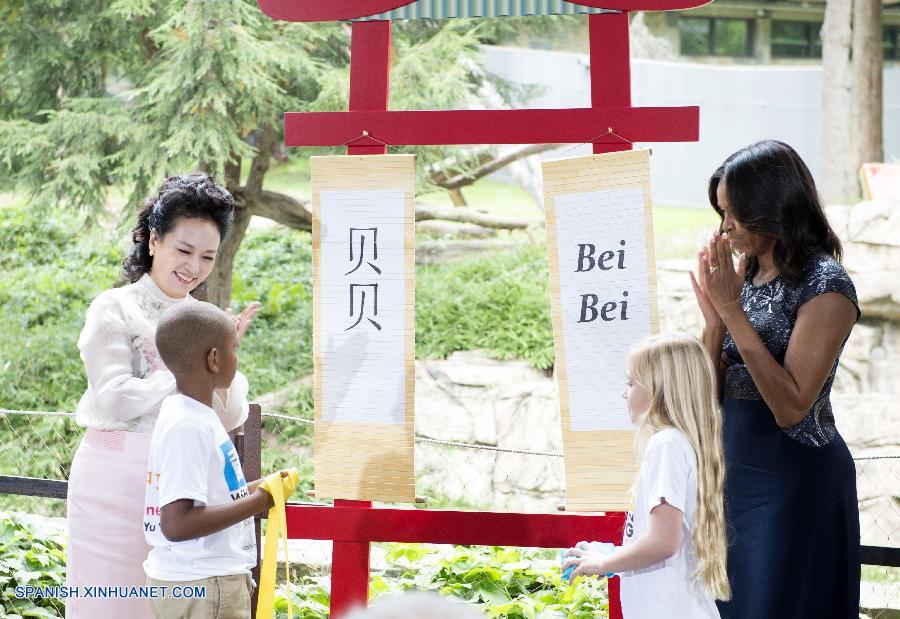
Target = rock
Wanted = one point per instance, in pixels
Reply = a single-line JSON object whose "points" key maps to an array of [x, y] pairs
{"points": [[439, 412], [870, 233], [471, 398], [455, 473], [870, 424]]}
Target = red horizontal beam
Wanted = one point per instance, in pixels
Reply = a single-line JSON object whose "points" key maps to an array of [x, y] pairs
{"points": [[360, 524], [336, 10], [327, 10], [549, 126]]}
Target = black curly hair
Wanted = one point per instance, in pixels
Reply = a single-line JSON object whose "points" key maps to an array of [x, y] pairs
{"points": [[772, 193], [188, 196]]}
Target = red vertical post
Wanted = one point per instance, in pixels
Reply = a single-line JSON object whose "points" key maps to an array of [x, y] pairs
{"points": [[610, 54], [615, 600], [349, 570], [370, 65]]}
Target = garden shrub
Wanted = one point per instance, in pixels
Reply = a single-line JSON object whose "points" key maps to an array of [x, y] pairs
{"points": [[517, 583], [27, 560], [498, 302]]}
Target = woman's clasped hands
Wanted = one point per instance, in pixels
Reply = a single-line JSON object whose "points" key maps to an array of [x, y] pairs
{"points": [[718, 283]]}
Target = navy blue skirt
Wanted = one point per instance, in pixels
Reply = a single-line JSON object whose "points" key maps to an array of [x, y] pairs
{"points": [[793, 521]]}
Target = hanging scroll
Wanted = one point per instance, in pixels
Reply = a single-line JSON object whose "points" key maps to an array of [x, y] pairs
{"points": [[603, 296], [364, 326]]}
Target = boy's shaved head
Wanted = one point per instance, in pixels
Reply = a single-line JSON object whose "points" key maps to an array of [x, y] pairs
{"points": [[188, 331]]}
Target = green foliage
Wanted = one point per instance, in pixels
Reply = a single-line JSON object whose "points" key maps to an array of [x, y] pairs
{"points": [[26, 560], [274, 267], [126, 93], [130, 91], [50, 271], [881, 574], [500, 582], [499, 303]]}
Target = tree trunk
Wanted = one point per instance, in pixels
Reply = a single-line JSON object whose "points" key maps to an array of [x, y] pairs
{"points": [[867, 102], [245, 198], [837, 181], [220, 280], [457, 197]]}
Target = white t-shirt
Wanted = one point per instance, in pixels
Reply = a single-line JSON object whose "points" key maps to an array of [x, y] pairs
{"points": [[669, 588], [191, 457]]}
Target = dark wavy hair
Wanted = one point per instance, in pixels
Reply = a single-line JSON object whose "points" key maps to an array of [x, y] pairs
{"points": [[189, 196], [772, 193]]}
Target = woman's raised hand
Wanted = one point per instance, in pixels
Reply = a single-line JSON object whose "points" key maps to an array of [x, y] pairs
{"points": [[719, 278], [710, 315], [242, 321]]}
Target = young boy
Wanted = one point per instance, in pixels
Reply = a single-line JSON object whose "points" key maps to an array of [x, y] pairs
{"points": [[199, 508]]}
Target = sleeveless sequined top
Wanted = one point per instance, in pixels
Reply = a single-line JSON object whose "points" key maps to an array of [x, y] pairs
{"points": [[772, 310]]}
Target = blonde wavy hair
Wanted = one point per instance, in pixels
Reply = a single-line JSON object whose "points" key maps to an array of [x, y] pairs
{"points": [[678, 375]]}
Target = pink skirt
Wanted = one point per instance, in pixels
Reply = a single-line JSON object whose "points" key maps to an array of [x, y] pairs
{"points": [[105, 523]]}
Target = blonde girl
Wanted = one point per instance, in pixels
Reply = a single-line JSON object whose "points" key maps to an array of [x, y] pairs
{"points": [[673, 555]]}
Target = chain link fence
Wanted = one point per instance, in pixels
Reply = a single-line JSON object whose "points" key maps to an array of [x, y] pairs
{"points": [[39, 446]]}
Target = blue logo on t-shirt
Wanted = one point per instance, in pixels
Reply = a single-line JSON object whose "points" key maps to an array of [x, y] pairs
{"points": [[234, 474]]}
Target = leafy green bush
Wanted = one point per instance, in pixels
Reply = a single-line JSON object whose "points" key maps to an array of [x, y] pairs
{"points": [[274, 267], [26, 560], [50, 270], [516, 583], [499, 303]]}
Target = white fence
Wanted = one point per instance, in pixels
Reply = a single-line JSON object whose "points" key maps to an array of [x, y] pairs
{"points": [[738, 105]]}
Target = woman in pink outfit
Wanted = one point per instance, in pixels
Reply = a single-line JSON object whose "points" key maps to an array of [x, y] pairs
{"points": [[176, 238]]}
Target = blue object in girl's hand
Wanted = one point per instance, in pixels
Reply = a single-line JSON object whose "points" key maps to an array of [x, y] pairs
{"points": [[605, 548], [567, 573]]}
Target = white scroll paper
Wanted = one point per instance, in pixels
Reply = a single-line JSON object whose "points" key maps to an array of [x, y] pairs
{"points": [[603, 297]]}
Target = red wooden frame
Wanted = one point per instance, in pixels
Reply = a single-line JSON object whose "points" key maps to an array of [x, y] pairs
{"points": [[337, 10], [610, 106], [656, 124], [353, 525]]}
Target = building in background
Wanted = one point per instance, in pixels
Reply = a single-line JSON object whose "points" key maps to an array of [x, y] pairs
{"points": [[760, 32]]}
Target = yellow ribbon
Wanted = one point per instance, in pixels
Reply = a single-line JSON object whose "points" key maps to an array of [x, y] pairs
{"points": [[280, 488]]}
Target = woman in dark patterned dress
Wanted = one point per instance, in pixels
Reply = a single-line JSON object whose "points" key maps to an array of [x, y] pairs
{"points": [[777, 325]]}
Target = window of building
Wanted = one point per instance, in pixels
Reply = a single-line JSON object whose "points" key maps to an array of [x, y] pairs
{"points": [[716, 36], [796, 39], [892, 43]]}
